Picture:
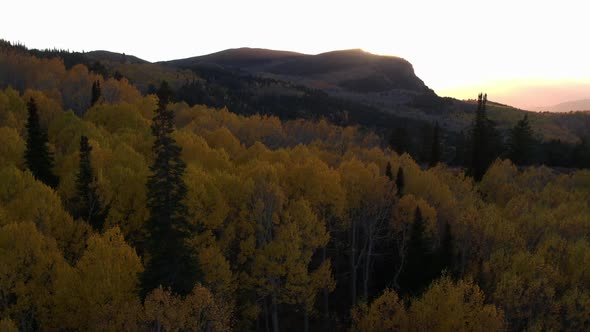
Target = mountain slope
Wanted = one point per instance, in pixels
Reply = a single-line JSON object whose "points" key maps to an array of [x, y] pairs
{"points": [[350, 70], [575, 105]]}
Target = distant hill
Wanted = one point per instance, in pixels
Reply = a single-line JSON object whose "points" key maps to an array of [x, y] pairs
{"points": [[348, 70], [345, 87], [114, 57], [570, 106]]}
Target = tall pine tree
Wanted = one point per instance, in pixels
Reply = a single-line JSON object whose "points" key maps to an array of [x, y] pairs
{"points": [[417, 273], [388, 171], [96, 92], [486, 142], [400, 140], [86, 204], [521, 143], [38, 158], [400, 182], [435, 149], [170, 263]]}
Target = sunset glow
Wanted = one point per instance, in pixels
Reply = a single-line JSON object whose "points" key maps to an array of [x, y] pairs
{"points": [[457, 47]]}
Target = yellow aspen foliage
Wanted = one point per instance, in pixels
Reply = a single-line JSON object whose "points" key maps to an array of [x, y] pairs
{"points": [[8, 325], [222, 138], [25, 199], [122, 175], [385, 313], [49, 109], [450, 306], [405, 209], [30, 265], [524, 287], [103, 293], [498, 184], [195, 150], [198, 311], [76, 88], [119, 91], [117, 117], [12, 148], [13, 110], [65, 131]]}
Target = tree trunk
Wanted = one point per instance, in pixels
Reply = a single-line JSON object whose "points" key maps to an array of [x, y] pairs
{"points": [[275, 313], [305, 320], [266, 315], [353, 269], [326, 294], [368, 267]]}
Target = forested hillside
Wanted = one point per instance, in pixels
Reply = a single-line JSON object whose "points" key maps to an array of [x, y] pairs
{"points": [[127, 210]]}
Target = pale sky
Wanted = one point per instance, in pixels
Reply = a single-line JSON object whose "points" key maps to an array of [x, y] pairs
{"points": [[521, 52]]}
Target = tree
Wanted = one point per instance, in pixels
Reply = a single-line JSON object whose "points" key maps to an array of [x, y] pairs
{"points": [[38, 158], [388, 172], [96, 92], [486, 142], [87, 205], [460, 147], [435, 149], [400, 182], [400, 140], [520, 142], [418, 268], [170, 262]]}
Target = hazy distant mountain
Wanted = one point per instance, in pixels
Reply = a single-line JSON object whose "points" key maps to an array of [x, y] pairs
{"points": [[575, 105]]}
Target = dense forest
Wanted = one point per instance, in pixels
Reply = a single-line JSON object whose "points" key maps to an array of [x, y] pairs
{"points": [[129, 210]]}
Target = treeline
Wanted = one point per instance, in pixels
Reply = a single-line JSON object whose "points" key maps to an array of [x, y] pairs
{"points": [[145, 214], [478, 145]]}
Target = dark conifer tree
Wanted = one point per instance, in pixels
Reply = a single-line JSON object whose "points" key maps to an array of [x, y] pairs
{"points": [[399, 141], [38, 158], [446, 250], [418, 269], [400, 182], [460, 151], [435, 149], [486, 142], [87, 205], [170, 263], [96, 93], [388, 171], [520, 143]]}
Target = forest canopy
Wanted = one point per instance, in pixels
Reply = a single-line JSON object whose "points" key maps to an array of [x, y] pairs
{"points": [[282, 224]]}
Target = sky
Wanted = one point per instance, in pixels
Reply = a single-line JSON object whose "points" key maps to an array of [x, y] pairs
{"points": [[524, 53]]}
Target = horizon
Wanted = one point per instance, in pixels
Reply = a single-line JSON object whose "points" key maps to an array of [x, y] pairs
{"points": [[456, 53]]}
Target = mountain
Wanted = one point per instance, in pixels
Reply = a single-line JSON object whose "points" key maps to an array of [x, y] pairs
{"points": [[354, 70], [346, 87], [570, 106]]}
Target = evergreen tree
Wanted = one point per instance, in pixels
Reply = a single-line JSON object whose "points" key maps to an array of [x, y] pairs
{"points": [[38, 158], [170, 262], [399, 141], [87, 205], [435, 149], [400, 182], [486, 142], [446, 250], [96, 92], [388, 172], [418, 270], [520, 143], [460, 152]]}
